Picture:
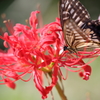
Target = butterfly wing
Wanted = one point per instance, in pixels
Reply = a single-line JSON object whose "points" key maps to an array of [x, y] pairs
{"points": [[75, 10], [74, 17], [94, 26]]}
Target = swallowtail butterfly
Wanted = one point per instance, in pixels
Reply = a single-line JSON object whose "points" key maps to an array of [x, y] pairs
{"points": [[79, 30]]}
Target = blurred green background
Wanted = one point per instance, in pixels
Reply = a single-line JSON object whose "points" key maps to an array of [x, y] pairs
{"points": [[75, 87]]}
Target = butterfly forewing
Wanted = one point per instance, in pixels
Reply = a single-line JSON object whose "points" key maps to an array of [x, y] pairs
{"points": [[75, 10]]}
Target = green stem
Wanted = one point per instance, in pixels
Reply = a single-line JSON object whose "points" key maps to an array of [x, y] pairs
{"points": [[59, 89], [61, 92]]}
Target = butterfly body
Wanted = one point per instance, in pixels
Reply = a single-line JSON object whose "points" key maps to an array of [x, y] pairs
{"points": [[79, 31]]}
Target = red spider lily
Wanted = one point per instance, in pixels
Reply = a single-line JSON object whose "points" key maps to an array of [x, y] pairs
{"points": [[38, 51]]}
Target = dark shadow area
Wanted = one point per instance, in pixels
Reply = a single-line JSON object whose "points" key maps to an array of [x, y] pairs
{"points": [[4, 4]]}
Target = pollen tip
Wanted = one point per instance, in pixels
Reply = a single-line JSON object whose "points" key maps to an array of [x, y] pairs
{"points": [[99, 18], [5, 21], [26, 21], [9, 20], [3, 16]]}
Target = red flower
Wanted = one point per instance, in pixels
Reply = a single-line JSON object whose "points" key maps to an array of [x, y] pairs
{"points": [[38, 51]]}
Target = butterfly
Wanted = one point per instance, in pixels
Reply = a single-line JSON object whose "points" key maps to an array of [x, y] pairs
{"points": [[80, 32]]}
